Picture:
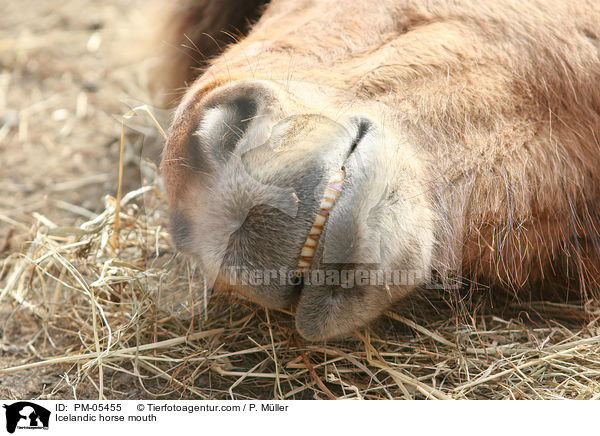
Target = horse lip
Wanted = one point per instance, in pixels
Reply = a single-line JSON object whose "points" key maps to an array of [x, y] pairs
{"points": [[363, 126], [330, 195], [332, 191]]}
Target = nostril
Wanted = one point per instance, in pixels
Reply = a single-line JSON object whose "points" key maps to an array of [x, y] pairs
{"points": [[223, 125], [227, 123]]}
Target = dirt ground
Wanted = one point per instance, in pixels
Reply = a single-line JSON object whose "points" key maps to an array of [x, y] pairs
{"points": [[68, 71]]}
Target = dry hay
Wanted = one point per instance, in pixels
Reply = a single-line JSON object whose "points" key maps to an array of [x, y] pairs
{"points": [[123, 316]]}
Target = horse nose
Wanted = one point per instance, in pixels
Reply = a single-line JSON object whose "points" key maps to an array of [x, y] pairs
{"points": [[228, 121], [232, 118]]}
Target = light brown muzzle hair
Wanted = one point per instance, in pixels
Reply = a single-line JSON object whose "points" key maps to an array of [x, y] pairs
{"points": [[398, 140]]}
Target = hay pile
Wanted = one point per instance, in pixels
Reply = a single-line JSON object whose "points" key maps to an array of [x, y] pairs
{"points": [[126, 317]]}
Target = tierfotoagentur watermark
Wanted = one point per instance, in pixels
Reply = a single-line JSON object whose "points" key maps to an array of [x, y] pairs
{"points": [[345, 278]]}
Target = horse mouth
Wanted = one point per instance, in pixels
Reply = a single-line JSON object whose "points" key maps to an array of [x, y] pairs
{"points": [[332, 191], [330, 195]]}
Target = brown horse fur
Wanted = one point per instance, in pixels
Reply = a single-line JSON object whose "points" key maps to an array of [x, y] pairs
{"points": [[487, 123]]}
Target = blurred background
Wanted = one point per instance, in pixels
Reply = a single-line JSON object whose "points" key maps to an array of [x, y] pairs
{"points": [[68, 71]]}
